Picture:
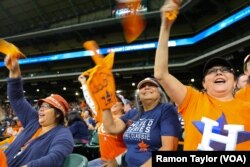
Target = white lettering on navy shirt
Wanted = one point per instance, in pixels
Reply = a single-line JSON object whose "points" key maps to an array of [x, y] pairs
{"points": [[139, 130]]}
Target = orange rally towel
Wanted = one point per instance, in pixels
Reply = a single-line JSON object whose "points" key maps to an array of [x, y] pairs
{"points": [[100, 82], [133, 24], [11, 50], [173, 14]]}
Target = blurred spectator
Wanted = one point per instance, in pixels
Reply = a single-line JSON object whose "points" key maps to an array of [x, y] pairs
{"points": [[242, 81], [12, 129], [2, 114], [87, 116], [128, 105], [244, 93], [78, 127], [246, 65]]}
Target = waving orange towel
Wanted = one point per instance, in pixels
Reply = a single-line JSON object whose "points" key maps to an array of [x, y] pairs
{"points": [[11, 50], [133, 24], [173, 14], [100, 82]]}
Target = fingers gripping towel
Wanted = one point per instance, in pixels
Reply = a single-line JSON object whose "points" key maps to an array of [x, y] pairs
{"points": [[10, 50], [171, 15]]}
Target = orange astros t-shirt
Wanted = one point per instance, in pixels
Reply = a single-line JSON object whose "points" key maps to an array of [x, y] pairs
{"points": [[244, 93], [214, 125], [110, 145]]}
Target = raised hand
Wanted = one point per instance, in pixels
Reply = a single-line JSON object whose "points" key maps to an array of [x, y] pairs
{"points": [[170, 11], [10, 50]]}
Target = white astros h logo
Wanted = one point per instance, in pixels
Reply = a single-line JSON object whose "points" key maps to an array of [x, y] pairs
{"points": [[230, 140]]}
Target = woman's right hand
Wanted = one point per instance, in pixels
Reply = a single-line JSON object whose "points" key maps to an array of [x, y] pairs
{"points": [[82, 79], [13, 66], [169, 6]]}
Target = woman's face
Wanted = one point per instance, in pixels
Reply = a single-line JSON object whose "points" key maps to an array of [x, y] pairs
{"points": [[86, 114], [247, 70], [117, 108], [46, 115], [149, 92], [219, 82], [242, 81]]}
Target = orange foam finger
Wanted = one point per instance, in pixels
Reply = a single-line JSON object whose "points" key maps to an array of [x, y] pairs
{"points": [[10, 49], [87, 73]]}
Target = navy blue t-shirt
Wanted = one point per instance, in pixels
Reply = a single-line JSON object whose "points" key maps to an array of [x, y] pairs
{"points": [[79, 130], [144, 134]]}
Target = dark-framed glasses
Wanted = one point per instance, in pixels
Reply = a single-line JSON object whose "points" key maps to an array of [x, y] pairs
{"points": [[45, 106], [214, 70]]}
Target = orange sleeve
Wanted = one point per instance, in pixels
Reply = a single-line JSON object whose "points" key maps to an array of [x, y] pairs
{"points": [[244, 94], [3, 159], [186, 100]]}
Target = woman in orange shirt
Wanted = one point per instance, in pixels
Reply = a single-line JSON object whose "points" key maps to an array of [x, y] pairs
{"points": [[214, 119]]}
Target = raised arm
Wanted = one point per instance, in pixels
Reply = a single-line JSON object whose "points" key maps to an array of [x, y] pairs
{"points": [[20, 105], [14, 69], [87, 97], [173, 87], [111, 125]]}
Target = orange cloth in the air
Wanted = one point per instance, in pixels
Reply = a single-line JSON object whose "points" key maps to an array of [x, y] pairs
{"points": [[244, 93], [110, 145], [100, 82], [197, 105], [3, 159], [11, 50], [133, 24]]}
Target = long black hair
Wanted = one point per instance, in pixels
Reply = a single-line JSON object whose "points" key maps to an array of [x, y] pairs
{"points": [[74, 116]]}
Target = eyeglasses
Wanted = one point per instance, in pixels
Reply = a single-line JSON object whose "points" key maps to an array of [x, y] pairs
{"points": [[45, 106], [221, 69]]}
